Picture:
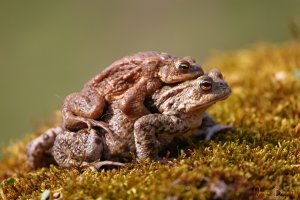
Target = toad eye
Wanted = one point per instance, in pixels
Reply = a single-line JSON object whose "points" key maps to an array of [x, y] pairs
{"points": [[183, 65], [205, 84]]}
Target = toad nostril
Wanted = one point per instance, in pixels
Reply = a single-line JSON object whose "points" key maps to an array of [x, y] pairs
{"points": [[222, 84]]}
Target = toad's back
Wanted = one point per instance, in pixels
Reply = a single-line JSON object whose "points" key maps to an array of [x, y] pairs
{"points": [[129, 80], [123, 74]]}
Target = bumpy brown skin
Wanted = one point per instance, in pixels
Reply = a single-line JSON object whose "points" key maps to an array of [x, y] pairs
{"points": [[181, 108], [38, 151], [128, 80]]}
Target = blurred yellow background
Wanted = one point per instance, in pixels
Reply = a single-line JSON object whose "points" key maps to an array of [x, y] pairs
{"points": [[49, 49]]}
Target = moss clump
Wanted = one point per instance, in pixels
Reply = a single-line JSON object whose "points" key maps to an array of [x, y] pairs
{"points": [[261, 159]]}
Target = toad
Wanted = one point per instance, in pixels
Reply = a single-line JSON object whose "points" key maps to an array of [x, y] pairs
{"points": [[128, 80], [180, 108]]}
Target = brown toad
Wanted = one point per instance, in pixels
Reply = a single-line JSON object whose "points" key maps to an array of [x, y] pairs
{"points": [[181, 108], [128, 80]]}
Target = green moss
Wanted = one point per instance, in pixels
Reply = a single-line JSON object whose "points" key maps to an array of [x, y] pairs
{"points": [[261, 159]]}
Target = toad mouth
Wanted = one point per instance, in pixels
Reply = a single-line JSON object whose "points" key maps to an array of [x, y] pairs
{"points": [[221, 98]]}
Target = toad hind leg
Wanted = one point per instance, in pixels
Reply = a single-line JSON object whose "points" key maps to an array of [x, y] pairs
{"points": [[80, 111], [38, 150], [152, 129], [75, 148], [81, 149]]}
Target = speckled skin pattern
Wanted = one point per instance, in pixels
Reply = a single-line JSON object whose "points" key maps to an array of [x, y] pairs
{"points": [[181, 108], [76, 146], [128, 80], [39, 150]]}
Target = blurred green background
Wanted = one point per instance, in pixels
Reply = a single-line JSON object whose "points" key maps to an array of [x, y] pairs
{"points": [[49, 49]]}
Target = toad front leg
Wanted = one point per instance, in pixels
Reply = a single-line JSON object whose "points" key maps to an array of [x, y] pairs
{"points": [[132, 104], [153, 131], [210, 127], [81, 110]]}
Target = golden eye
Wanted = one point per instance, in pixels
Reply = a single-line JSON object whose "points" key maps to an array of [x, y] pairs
{"points": [[183, 65], [205, 85]]}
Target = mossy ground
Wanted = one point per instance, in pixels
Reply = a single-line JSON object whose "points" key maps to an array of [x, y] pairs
{"points": [[260, 160]]}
